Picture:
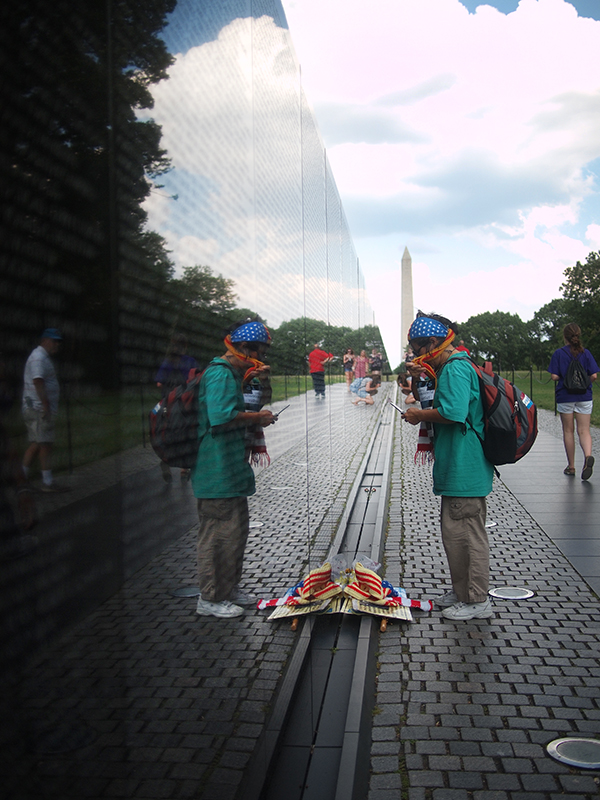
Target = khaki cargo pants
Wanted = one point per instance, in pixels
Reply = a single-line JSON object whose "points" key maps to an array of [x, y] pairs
{"points": [[467, 548], [222, 539]]}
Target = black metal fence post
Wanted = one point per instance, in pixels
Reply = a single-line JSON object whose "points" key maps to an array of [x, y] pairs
{"points": [[531, 382]]}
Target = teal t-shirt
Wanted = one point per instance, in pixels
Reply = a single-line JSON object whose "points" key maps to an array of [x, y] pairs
{"points": [[221, 469], [460, 469]]}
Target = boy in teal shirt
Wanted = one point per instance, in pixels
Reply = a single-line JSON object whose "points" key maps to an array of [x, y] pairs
{"points": [[222, 478], [462, 476]]}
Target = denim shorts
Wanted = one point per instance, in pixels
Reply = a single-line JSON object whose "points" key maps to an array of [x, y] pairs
{"points": [[581, 407]]}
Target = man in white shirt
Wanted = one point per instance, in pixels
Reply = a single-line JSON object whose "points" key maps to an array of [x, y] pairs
{"points": [[40, 406]]}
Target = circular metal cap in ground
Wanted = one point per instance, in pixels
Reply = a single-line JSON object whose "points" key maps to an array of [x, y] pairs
{"points": [[186, 591], [584, 753], [511, 593]]}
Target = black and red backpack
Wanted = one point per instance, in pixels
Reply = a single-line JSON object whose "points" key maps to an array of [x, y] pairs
{"points": [[509, 418], [174, 422]]}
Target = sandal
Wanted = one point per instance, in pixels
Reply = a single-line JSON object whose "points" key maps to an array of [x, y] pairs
{"points": [[588, 468], [569, 471]]}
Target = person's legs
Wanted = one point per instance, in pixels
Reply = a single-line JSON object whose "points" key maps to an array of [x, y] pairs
{"points": [[466, 544], [568, 427], [583, 433], [318, 379], [29, 455], [222, 536]]}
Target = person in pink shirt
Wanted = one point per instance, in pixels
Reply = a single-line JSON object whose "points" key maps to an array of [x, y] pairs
{"points": [[361, 365]]}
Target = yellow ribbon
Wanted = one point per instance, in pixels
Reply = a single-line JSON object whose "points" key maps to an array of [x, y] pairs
{"points": [[421, 361]]}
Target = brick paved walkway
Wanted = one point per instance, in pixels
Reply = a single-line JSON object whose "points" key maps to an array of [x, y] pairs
{"points": [[464, 710], [161, 703]]}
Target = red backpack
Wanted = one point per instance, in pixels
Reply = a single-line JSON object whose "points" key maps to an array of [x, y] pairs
{"points": [[509, 418], [174, 422]]}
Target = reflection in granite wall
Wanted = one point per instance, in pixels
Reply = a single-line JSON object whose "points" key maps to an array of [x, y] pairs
{"points": [[138, 140]]}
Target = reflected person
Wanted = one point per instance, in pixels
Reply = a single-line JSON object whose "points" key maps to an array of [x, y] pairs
{"points": [[317, 359], [222, 478], [41, 393]]}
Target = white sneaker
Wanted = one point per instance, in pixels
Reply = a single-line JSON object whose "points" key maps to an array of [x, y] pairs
{"points": [[241, 598], [448, 599], [465, 611], [224, 609]]}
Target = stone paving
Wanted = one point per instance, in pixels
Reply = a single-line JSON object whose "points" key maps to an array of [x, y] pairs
{"points": [[157, 702], [464, 710]]}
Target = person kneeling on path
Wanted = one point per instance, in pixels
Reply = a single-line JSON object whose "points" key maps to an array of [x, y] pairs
{"points": [[364, 389], [461, 473], [222, 478]]}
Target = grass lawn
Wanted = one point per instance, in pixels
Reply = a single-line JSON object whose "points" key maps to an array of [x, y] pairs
{"points": [[89, 428], [540, 388]]}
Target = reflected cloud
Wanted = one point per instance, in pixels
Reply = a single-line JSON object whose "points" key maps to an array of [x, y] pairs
{"points": [[256, 200]]}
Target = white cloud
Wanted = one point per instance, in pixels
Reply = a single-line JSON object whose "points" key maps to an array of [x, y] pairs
{"points": [[503, 112], [592, 235]]}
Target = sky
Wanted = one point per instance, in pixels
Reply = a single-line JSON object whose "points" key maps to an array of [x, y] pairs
{"points": [[468, 133]]}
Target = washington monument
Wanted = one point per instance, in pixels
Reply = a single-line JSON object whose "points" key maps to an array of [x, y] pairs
{"points": [[407, 313]]}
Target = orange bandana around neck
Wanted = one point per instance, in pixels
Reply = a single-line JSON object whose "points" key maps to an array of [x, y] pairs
{"points": [[422, 361], [256, 364]]}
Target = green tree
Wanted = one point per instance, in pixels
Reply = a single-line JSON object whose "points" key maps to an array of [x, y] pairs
{"points": [[498, 336], [545, 329], [199, 287], [581, 290], [294, 339], [80, 160]]}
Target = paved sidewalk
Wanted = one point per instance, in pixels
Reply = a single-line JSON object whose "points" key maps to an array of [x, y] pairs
{"points": [[143, 698], [465, 710]]}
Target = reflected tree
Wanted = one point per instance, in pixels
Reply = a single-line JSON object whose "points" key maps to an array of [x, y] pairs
{"points": [[78, 163]]}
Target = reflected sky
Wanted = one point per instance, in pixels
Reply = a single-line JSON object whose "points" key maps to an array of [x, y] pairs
{"points": [[250, 193]]}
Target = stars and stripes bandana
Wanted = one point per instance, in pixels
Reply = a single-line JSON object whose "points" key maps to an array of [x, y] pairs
{"points": [[251, 332], [423, 327]]}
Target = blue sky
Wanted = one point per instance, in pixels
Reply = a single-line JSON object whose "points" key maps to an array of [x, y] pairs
{"points": [[465, 131]]}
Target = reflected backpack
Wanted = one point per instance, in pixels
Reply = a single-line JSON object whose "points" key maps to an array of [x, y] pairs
{"points": [[576, 381], [174, 422], [509, 417]]}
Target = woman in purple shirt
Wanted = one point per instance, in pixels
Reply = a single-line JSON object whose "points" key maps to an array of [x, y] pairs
{"points": [[574, 408]]}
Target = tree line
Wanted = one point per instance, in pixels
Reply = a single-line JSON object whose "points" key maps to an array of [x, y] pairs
{"points": [[511, 343], [200, 302]]}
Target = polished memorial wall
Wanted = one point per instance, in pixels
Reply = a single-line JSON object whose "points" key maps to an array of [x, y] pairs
{"points": [[259, 201], [138, 140]]}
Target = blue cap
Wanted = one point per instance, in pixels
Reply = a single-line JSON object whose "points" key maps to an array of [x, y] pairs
{"points": [[251, 332], [52, 333]]}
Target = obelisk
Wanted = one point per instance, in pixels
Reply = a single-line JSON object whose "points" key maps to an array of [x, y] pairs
{"points": [[407, 312]]}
